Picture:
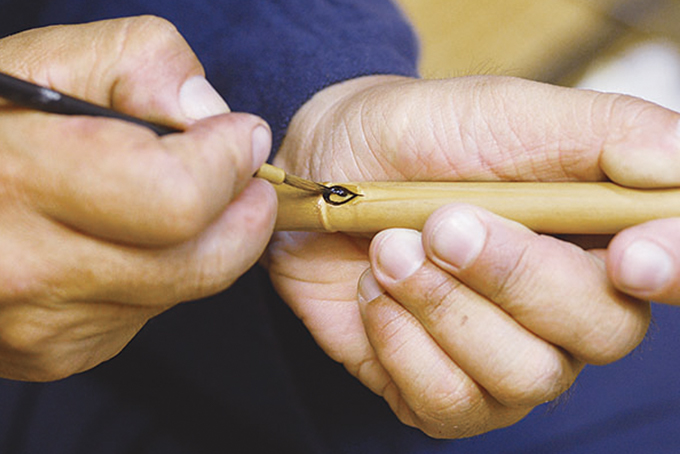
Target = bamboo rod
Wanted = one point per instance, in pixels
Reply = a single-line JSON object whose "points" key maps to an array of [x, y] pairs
{"points": [[557, 208]]}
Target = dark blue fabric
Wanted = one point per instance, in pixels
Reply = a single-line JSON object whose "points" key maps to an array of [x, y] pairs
{"points": [[265, 56], [237, 373]]}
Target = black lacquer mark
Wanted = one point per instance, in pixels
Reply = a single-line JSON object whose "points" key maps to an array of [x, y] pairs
{"points": [[339, 195]]}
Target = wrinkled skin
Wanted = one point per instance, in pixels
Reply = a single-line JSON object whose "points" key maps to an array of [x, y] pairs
{"points": [[103, 224], [467, 326]]}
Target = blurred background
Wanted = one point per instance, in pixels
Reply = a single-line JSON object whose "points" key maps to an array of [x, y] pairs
{"points": [[627, 46]]}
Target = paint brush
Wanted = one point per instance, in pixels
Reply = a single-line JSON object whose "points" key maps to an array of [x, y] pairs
{"points": [[276, 175], [36, 97]]}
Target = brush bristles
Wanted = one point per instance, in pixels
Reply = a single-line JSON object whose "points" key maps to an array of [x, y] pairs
{"points": [[278, 176], [305, 185]]}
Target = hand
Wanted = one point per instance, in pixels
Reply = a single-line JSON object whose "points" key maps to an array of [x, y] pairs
{"points": [[104, 224], [482, 319]]}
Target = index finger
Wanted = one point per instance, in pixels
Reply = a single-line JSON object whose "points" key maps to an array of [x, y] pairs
{"points": [[501, 128], [121, 182], [553, 288]]}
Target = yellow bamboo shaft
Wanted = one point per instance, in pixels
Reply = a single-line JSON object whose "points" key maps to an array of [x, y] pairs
{"points": [[272, 174], [559, 208]]}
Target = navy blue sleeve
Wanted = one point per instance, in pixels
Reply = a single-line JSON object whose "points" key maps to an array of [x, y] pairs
{"points": [[265, 56]]}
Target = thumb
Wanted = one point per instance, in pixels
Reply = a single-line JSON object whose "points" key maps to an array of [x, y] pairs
{"points": [[646, 154], [500, 128], [524, 130], [141, 66]]}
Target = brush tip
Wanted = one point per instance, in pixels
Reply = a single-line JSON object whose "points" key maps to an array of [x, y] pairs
{"points": [[305, 185]]}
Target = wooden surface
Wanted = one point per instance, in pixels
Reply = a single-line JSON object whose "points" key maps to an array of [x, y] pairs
{"points": [[557, 208], [548, 40]]}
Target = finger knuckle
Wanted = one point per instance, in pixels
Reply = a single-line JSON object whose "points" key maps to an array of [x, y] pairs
{"points": [[534, 382], [22, 337], [203, 280], [618, 109], [39, 344], [450, 414], [437, 300], [389, 333], [209, 275], [27, 352], [617, 334], [30, 372], [369, 371], [45, 370], [150, 30], [523, 280], [146, 36], [22, 280]]}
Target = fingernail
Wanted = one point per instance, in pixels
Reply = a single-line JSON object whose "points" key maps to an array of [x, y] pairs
{"points": [[458, 238], [645, 266], [198, 99], [400, 253], [261, 144], [369, 288]]}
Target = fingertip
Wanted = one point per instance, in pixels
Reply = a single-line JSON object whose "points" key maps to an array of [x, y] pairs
{"points": [[455, 235], [645, 266], [641, 266], [647, 153], [642, 167], [397, 254], [369, 288]]}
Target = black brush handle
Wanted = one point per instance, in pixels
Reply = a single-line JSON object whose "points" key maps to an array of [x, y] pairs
{"points": [[36, 97]]}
